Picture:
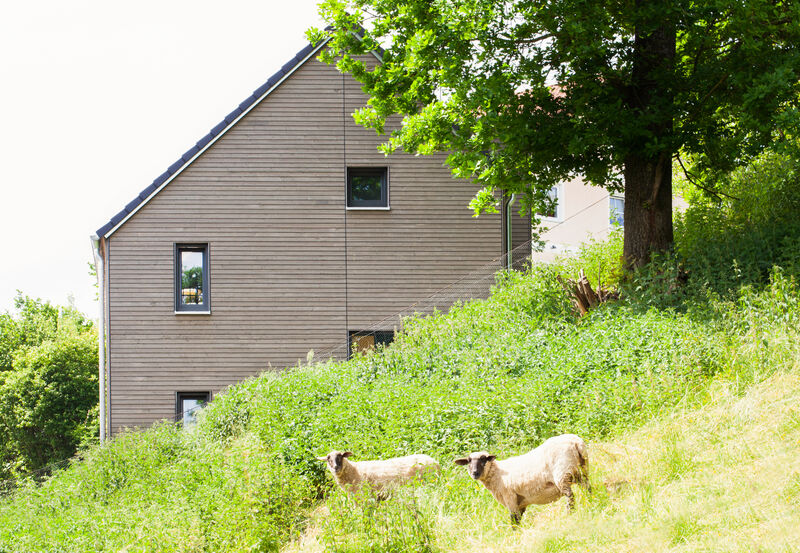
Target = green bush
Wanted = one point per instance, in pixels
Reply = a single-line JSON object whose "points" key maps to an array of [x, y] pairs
{"points": [[46, 403], [736, 241], [49, 392], [501, 374]]}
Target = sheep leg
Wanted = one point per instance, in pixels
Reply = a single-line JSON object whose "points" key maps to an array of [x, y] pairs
{"points": [[516, 517], [565, 486], [583, 478]]}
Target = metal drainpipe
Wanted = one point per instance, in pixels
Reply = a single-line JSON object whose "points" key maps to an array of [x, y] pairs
{"points": [[101, 335], [509, 232]]}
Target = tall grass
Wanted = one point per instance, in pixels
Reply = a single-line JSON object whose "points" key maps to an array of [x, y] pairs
{"points": [[500, 374]]}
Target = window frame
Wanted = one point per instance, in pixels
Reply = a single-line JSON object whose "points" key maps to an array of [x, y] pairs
{"points": [[615, 222], [205, 307], [559, 215], [352, 334], [380, 204], [205, 397]]}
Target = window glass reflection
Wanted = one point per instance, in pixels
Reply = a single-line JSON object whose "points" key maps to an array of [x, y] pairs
{"points": [[189, 409], [191, 277], [365, 188], [616, 215]]}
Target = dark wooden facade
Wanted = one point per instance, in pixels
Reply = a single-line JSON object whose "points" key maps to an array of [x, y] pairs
{"points": [[291, 269]]}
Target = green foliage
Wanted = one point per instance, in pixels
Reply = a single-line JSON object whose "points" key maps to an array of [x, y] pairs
{"points": [[600, 261], [46, 402], [48, 389], [500, 374], [736, 241], [364, 525], [525, 95], [162, 490]]}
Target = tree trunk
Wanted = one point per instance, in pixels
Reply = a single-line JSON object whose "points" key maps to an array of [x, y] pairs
{"points": [[648, 164], [648, 208]]}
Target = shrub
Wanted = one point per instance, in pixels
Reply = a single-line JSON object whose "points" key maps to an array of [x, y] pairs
{"points": [[736, 240], [48, 402]]}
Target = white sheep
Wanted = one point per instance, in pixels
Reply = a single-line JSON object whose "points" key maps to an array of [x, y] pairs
{"points": [[377, 475], [540, 476]]}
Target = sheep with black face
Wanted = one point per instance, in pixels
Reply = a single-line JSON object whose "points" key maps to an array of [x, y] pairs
{"points": [[377, 475], [540, 476]]}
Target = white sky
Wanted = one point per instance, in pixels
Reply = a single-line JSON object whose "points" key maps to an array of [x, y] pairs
{"points": [[98, 98]]}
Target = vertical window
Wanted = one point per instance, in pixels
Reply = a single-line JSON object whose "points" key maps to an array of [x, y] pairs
{"points": [[187, 406], [555, 209], [616, 211], [362, 341], [367, 187], [191, 278]]}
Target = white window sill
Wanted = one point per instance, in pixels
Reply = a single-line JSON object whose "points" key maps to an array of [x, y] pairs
{"points": [[348, 208], [192, 312]]}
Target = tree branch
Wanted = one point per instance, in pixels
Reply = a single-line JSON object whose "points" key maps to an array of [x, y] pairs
{"points": [[691, 179]]}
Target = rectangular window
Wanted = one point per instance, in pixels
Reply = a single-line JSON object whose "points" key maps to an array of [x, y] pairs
{"points": [[191, 278], [616, 211], [555, 209], [367, 187], [187, 405], [362, 341]]}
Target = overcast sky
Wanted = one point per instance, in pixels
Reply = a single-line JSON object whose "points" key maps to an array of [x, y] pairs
{"points": [[98, 98]]}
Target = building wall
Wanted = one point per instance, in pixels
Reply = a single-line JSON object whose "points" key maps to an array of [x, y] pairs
{"points": [[291, 269], [585, 215]]}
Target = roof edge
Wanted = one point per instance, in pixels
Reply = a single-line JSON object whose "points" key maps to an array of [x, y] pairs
{"points": [[206, 141]]}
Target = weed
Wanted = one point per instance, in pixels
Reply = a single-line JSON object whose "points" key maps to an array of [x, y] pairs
{"points": [[682, 528]]}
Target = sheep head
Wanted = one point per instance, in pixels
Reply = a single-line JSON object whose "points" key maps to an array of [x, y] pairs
{"points": [[477, 463], [335, 460]]}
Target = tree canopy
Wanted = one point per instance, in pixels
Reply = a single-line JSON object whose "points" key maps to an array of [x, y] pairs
{"points": [[48, 385], [524, 94]]}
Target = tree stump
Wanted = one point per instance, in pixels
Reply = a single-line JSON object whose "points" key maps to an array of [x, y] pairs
{"points": [[583, 295]]}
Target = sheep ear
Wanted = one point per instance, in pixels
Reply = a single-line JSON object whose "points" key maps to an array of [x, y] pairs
{"points": [[491, 457], [322, 458], [347, 454], [462, 461]]}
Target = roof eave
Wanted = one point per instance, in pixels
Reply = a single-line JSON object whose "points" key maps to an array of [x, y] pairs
{"points": [[209, 139]]}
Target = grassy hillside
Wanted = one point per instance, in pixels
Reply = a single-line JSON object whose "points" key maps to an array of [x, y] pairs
{"points": [[724, 477], [685, 389]]}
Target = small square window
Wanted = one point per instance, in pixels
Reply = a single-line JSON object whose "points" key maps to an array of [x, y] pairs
{"points": [[367, 187], [188, 404], [362, 341], [191, 278], [616, 211]]}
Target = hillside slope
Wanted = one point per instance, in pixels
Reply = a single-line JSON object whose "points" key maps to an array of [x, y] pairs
{"points": [[724, 477], [500, 374]]}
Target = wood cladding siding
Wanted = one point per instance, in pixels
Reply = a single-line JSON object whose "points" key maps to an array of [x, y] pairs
{"points": [[290, 268], [520, 238]]}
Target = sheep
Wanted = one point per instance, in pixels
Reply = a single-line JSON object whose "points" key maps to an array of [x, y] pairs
{"points": [[540, 476], [377, 475]]}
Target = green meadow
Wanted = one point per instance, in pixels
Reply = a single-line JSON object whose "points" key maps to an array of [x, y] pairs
{"points": [[687, 389]]}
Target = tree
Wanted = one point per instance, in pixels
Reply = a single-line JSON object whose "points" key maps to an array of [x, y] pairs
{"points": [[48, 385], [36, 322], [48, 402], [526, 93]]}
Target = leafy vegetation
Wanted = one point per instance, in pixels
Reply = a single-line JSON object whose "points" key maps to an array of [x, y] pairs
{"points": [[675, 386], [48, 385], [524, 95]]}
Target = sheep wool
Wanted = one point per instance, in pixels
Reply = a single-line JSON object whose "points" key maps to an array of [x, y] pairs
{"points": [[540, 476], [378, 475]]}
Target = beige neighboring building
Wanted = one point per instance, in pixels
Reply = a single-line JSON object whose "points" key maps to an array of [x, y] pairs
{"points": [[583, 212]]}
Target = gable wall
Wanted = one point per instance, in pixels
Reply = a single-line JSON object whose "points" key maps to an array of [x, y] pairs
{"points": [[268, 197]]}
